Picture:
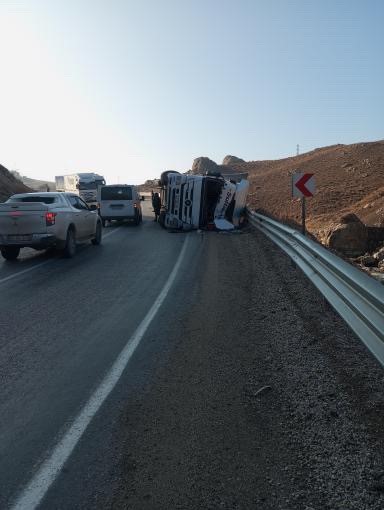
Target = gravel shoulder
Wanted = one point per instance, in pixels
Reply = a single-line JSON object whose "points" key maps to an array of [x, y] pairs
{"points": [[250, 392]]}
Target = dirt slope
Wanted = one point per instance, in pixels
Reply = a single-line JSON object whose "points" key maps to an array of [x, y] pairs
{"points": [[10, 185], [35, 184], [349, 178]]}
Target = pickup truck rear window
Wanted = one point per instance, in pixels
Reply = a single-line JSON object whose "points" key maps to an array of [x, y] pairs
{"points": [[116, 193], [35, 198]]}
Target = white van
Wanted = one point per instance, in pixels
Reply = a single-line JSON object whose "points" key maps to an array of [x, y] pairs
{"points": [[119, 202]]}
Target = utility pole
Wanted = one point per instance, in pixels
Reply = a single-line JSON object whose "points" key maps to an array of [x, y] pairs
{"points": [[297, 149]]}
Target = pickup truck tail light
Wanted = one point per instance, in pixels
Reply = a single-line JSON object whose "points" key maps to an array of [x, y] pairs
{"points": [[50, 218]]}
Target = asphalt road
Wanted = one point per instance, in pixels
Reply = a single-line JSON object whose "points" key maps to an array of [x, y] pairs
{"points": [[62, 325], [245, 391]]}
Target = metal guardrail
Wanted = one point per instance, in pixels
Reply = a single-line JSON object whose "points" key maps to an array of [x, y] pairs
{"points": [[357, 297]]}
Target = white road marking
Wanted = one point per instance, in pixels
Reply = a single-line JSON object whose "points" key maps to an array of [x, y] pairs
{"points": [[35, 491], [19, 273], [110, 233], [36, 266]]}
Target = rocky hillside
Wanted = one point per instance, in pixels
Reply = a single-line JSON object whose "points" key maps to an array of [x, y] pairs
{"points": [[35, 184], [149, 185], [10, 185], [347, 211], [349, 179]]}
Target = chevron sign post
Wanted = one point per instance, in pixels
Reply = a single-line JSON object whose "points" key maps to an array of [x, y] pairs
{"points": [[303, 185]]}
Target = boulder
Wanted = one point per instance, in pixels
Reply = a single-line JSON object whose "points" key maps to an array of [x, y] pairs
{"points": [[203, 165], [349, 218], [368, 261], [379, 255], [349, 236], [232, 160]]}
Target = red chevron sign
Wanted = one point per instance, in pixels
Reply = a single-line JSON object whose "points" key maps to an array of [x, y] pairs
{"points": [[303, 185]]}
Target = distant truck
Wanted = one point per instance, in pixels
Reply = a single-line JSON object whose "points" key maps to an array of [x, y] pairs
{"points": [[202, 201], [82, 184]]}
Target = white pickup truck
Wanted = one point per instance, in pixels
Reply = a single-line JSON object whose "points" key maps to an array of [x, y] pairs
{"points": [[45, 220]]}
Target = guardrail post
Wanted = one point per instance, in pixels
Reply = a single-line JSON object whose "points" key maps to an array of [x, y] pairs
{"points": [[303, 215]]}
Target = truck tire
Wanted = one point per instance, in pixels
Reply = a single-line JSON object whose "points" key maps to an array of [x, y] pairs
{"points": [[164, 177], [97, 239], [70, 244], [10, 252]]}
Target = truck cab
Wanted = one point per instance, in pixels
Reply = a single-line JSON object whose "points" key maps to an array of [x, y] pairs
{"points": [[84, 184]]}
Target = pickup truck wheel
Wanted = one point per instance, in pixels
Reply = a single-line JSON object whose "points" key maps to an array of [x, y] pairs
{"points": [[97, 239], [70, 244], [10, 252]]}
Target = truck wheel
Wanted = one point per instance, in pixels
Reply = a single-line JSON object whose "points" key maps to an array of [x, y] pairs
{"points": [[10, 252], [70, 244], [97, 239]]}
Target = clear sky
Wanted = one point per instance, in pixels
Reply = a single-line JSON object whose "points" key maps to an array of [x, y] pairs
{"points": [[129, 88]]}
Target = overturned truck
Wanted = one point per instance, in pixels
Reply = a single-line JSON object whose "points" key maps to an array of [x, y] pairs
{"points": [[211, 201]]}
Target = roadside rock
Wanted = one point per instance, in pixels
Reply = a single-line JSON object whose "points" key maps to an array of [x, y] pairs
{"points": [[203, 165], [368, 261], [349, 236], [232, 160], [379, 255], [349, 218]]}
